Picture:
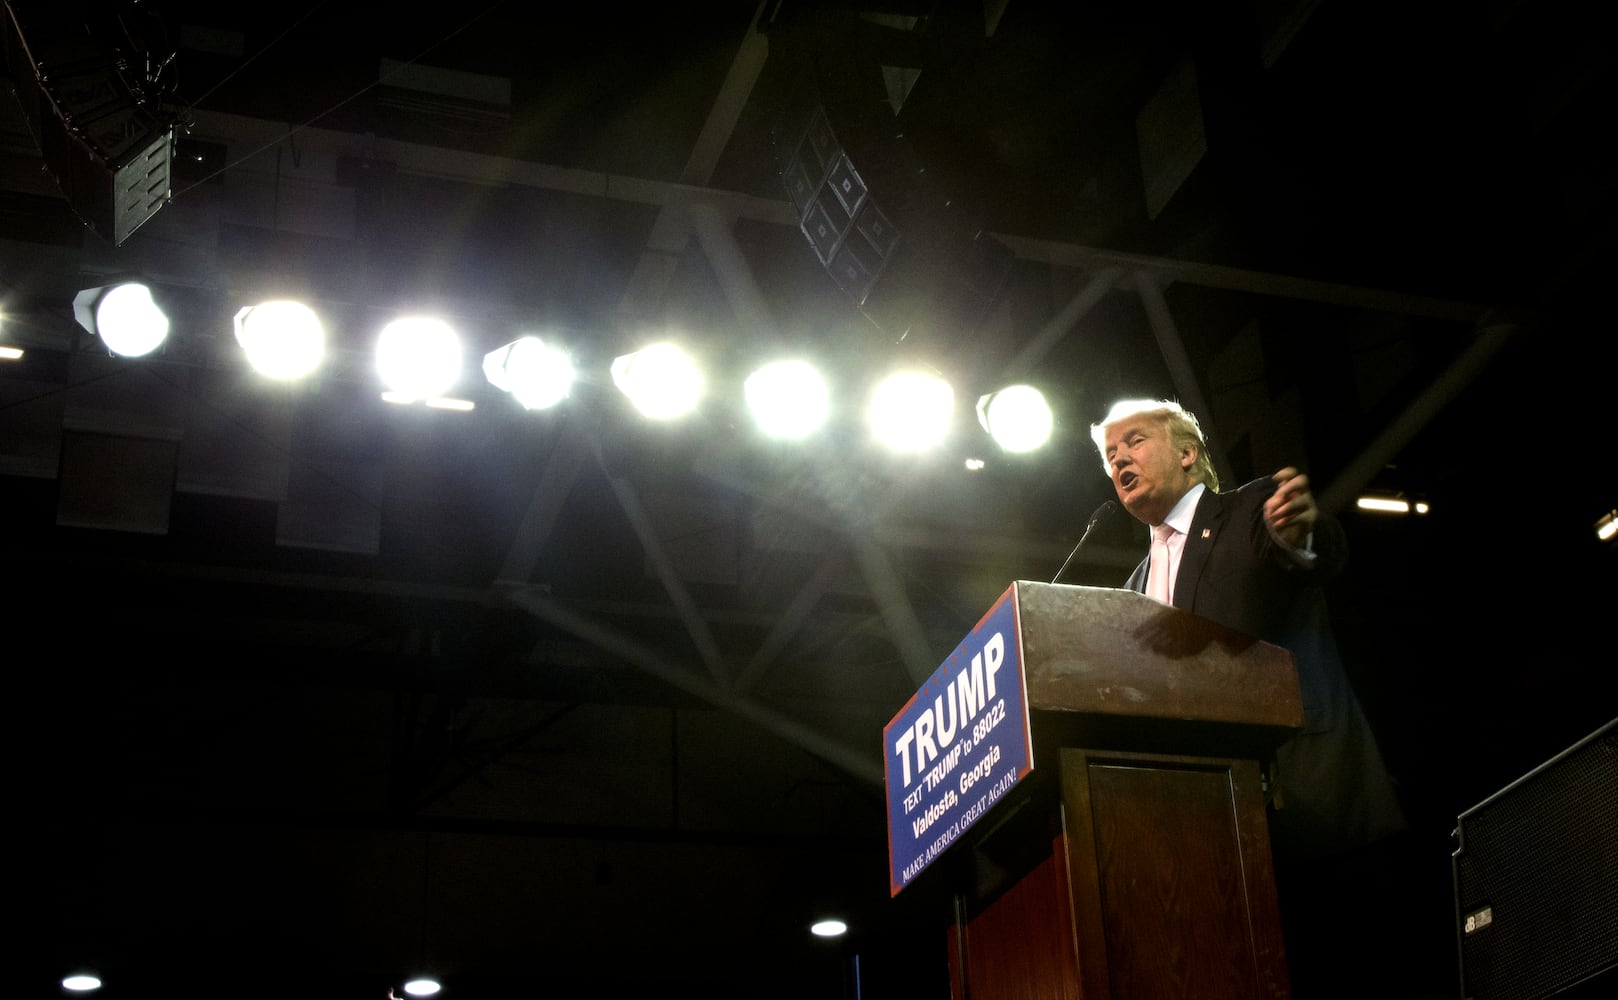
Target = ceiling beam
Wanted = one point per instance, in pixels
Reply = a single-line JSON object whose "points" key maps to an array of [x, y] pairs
{"points": [[669, 575], [258, 136], [863, 765], [789, 621], [1051, 332], [1167, 270], [539, 518], [1172, 346], [1365, 466]]}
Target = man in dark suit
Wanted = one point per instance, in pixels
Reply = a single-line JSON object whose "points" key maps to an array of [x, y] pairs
{"points": [[1256, 559]]}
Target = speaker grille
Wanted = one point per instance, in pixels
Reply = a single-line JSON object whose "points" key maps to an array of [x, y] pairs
{"points": [[1536, 877], [108, 149]]}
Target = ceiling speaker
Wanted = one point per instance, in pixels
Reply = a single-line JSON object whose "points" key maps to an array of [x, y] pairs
{"points": [[108, 147]]}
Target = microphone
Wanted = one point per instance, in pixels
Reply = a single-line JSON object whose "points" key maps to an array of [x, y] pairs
{"points": [[1101, 512]]}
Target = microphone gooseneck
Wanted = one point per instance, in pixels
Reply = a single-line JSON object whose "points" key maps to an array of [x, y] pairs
{"points": [[1101, 512]]}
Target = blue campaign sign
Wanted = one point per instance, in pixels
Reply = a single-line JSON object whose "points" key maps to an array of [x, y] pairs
{"points": [[958, 745]]}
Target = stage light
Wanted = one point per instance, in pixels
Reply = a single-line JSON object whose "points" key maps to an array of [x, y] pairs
{"points": [[423, 987], [1607, 526], [431, 402], [282, 339], [1383, 505], [1017, 417], [538, 375], [81, 983], [1391, 504], [662, 381], [910, 411], [124, 315], [418, 358], [788, 399], [828, 928]]}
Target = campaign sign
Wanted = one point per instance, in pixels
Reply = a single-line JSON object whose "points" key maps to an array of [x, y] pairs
{"points": [[958, 745]]}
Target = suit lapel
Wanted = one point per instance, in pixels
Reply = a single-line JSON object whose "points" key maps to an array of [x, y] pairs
{"points": [[1206, 525]]}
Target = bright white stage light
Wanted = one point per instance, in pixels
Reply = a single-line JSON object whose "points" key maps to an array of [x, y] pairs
{"points": [[831, 927], [282, 339], [423, 987], [788, 399], [1384, 505], [124, 316], [81, 983], [662, 381], [1017, 417], [418, 358], [537, 374], [910, 411]]}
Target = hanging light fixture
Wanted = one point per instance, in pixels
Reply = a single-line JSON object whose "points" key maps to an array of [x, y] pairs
{"points": [[536, 373], [830, 927], [1017, 417], [788, 399], [662, 380], [424, 986], [124, 315], [910, 410], [282, 339], [418, 358]]}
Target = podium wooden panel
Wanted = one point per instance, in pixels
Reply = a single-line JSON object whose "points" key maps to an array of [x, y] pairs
{"points": [[1136, 863]]}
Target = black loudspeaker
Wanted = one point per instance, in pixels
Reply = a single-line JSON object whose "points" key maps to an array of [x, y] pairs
{"points": [[1536, 880], [905, 250], [911, 260], [109, 149], [853, 238]]}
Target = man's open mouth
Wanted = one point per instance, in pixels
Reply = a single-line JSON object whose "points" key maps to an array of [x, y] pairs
{"points": [[1126, 480]]}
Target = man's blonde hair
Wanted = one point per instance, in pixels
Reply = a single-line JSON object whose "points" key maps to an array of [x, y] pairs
{"points": [[1180, 423]]}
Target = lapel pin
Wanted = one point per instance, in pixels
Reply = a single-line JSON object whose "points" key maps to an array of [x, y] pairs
{"points": [[1207, 532]]}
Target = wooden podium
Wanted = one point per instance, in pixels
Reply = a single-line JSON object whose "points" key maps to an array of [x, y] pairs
{"points": [[1135, 864]]}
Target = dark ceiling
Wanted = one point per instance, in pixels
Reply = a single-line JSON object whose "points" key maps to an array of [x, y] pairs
{"points": [[316, 689]]}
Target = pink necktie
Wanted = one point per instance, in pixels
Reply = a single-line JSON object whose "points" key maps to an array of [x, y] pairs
{"points": [[1157, 571]]}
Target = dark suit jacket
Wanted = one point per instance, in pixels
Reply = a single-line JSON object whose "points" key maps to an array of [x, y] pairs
{"points": [[1336, 792]]}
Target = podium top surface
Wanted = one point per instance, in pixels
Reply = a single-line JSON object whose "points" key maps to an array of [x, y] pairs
{"points": [[1111, 652]]}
